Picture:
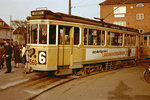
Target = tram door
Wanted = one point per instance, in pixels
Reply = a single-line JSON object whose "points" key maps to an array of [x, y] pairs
{"points": [[64, 45]]}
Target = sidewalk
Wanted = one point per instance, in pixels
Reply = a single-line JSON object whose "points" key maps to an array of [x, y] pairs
{"points": [[4, 69]]}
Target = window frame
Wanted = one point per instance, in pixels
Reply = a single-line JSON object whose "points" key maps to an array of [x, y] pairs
{"points": [[140, 16], [88, 30]]}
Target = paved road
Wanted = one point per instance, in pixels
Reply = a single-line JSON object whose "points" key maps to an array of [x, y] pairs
{"points": [[122, 84]]}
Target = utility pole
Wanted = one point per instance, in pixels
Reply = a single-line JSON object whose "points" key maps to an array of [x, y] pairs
{"points": [[11, 34], [69, 7]]}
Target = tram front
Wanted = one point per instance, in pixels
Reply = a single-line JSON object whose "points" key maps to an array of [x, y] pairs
{"points": [[41, 46]]}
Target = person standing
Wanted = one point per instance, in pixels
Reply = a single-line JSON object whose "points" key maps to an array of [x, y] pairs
{"points": [[23, 54], [17, 58], [8, 55]]}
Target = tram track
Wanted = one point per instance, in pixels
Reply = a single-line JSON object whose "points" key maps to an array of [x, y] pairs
{"points": [[40, 83], [62, 82], [58, 83]]}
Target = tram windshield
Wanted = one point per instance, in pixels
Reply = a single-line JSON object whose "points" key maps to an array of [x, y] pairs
{"points": [[42, 34], [34, 32]]}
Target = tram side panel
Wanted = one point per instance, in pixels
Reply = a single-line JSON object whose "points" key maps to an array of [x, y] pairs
{"points": [[97, 55]]}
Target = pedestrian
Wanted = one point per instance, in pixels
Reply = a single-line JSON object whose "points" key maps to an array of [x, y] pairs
{"points": [[17, 58], [23, 54], [8, 56], [1, 59]]}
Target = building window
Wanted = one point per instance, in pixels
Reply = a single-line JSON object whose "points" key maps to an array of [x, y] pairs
{"points": [[141, 31], [121, 23], [2, 23], [140, 5], [140, 16], [119, 11]]}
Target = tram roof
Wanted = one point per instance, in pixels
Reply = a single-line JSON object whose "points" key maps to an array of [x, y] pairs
{"points": [[47, 14]]}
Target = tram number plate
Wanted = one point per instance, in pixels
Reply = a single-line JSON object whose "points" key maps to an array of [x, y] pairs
{"points": [[42, 57]]}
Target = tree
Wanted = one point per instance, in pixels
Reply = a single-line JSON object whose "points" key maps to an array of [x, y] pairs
{"points": [[20, 28]]}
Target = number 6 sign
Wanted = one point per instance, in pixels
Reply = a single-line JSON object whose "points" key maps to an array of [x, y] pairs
{"points": [[42, 57]]}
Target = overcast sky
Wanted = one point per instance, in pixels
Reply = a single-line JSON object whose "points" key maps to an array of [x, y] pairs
{"points": [[20, 9]]}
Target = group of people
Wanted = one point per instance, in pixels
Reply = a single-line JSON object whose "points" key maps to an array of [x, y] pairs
{"points": [[6, 55]]}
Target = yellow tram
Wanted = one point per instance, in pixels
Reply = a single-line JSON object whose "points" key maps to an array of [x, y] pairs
{"points": [[145, 46], [58, 41]]}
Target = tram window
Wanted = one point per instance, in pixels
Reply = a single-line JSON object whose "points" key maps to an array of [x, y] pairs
{"points": [[90, 41], [115, 39], [67, 35], [100, 37], [85, 36], [94, 37], [34, 33], [76, 36], [130, 40], [42, 34], [141, 40], [133, 40], [127, 40], [149, 40], [108, 41], [64, 31], [60, 35], [145, 40], [52, 34]]}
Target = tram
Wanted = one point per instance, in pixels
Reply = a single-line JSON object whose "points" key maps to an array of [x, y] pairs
{"points": [[145, 46], [58, 42]]}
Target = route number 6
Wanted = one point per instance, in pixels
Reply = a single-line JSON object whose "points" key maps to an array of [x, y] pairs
{"points": [[42, 57]]}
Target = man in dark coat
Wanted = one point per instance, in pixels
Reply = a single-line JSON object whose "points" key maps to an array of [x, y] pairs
{"points": [[17, 55], [8, 55], [1, 58]]}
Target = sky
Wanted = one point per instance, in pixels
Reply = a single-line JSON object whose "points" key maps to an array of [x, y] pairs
{"points": [[20, 9]]}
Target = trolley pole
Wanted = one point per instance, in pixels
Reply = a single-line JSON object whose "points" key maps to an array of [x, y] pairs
{"points": [[69, 7]]}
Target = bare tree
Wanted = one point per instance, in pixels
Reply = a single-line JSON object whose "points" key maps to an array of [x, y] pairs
{"points": [[20, 27]]}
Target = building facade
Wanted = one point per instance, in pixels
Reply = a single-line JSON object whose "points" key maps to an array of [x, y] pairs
{"points": [[130, 13], [5, 31]]}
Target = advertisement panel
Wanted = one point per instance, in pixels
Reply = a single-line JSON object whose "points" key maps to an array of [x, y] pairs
{"points": [[105, 53]]}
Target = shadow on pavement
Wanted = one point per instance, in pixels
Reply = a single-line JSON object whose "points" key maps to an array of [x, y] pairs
{"points": [[119, 93]]}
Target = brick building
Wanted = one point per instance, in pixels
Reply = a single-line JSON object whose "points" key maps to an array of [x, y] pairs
{"points": [[130, 13], [5, 31]]}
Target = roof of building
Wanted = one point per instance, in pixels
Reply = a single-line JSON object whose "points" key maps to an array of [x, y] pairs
{"points": [[4, 25], [111, 2]]}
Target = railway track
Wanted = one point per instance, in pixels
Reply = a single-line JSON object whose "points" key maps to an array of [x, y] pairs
{"points": [[35, 84], [30, 86]]}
